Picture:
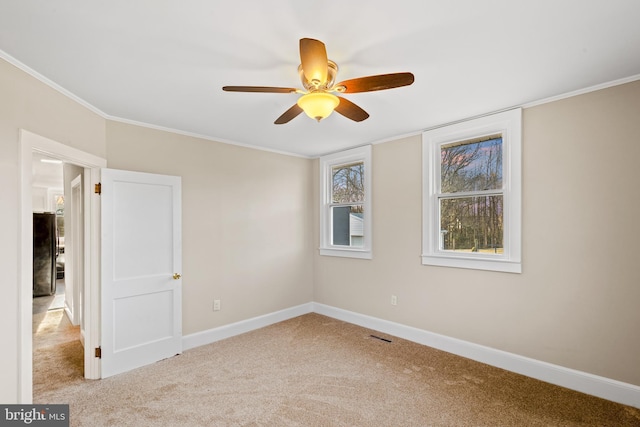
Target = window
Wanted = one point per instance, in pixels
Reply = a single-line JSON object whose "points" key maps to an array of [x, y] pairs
{"points": [[345, 205], [471, 194]]}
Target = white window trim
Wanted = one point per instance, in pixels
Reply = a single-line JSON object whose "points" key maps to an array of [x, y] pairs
{"points": [[509, 124], [326, 164]]}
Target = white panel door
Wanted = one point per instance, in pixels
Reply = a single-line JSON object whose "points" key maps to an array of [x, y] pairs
{"points": [[141, 296]]}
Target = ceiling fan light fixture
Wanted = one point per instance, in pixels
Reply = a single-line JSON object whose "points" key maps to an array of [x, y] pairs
{"points": [[318, 105], [318, 76]]}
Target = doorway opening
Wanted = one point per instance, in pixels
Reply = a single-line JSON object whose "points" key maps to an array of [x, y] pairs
{"points": [[58, 329], [87, 258]]}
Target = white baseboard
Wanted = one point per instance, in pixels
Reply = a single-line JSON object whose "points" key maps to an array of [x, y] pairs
{"points": [[615, 391], [233, 329]]}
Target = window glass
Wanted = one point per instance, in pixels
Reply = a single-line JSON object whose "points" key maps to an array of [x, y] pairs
{"points": [[471, 166], [348, 225], [472, 224], [348, 183]]}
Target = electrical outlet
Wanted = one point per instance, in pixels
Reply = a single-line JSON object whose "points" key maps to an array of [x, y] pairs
{"points": [[394, 300], [216, 305]]}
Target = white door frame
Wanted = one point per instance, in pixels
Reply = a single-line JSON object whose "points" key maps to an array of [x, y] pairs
{"points": [[30, 142], [74, 258]]}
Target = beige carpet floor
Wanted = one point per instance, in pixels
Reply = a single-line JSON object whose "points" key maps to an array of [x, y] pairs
{"points": [[58, 355], [317, 371]]}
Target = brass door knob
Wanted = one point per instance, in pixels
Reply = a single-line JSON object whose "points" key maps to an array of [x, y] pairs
{"points": [[176, 276]]}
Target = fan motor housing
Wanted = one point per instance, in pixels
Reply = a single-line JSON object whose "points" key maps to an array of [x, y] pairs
{"points": [[332, 71]]}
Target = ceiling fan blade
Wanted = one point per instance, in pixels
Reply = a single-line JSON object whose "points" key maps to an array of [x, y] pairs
{"points": [[351, 110], [379, 82], [313, 57], [264, 89], [288, 115]]}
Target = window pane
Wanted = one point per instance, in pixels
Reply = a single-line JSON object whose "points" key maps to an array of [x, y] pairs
{"points": [[347, 183], [348, 225], [472, 224], [471, 166]]}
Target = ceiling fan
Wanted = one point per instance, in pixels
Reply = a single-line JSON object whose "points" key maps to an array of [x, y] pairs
{"points": [[318, 78]]}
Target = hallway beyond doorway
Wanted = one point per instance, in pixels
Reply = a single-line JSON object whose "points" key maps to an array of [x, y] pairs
{"points": [[51, 302]]}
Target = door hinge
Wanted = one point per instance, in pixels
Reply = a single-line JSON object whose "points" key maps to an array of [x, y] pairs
{"points": [[98, 352], [98, 188]]}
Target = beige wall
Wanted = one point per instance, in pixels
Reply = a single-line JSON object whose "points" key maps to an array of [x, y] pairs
{"points": [[247, 222], [25, 103], [576, 302]]}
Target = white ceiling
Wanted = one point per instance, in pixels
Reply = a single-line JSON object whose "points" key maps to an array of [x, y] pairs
{"points": [[163, 63], [46, 174]]}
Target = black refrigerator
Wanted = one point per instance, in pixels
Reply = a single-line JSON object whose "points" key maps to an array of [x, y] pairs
{"points": [[44, 254]]}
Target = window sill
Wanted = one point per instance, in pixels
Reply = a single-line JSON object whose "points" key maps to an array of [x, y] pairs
{"points": [[347, 253], [500, 265]]}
